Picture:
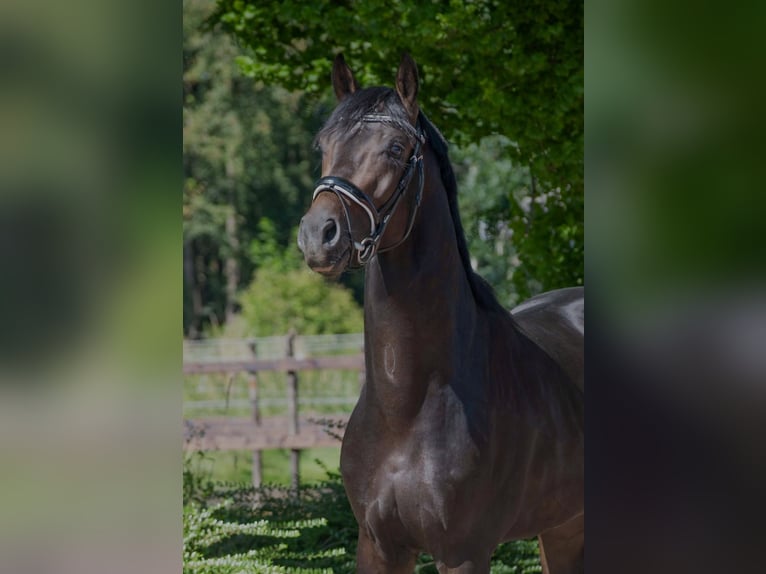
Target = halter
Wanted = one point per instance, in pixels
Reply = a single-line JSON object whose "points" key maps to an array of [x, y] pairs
{"points": [[379, 218]]}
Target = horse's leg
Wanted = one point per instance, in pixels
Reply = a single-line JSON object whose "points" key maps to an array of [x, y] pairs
{"points": [[370, 561], [467, 567], [562, 549]]}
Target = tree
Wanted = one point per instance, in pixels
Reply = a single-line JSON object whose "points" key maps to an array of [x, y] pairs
{"points": [[488, 180], [488, 68], [247, 155]]}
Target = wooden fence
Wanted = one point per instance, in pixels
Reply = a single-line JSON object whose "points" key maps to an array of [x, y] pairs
{"points": [[256, 433]]}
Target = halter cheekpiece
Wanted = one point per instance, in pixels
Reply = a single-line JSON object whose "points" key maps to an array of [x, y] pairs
{"points": [[379, 218]]}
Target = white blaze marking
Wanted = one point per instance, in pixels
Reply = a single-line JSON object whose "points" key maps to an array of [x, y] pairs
{"points": [[389, 361]]}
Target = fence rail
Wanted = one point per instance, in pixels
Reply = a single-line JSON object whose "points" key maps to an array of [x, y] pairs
{"points": [[266, 402], [241, 434], [287, 364], [294, 431]]}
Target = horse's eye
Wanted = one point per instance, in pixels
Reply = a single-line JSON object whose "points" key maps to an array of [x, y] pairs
{"points": [[396, 149]]}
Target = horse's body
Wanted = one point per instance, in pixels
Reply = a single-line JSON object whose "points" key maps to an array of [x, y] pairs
{"points": [[469, 429]]}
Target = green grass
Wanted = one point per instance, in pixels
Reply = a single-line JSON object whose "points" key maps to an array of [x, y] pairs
{"points": [[235, 465]]}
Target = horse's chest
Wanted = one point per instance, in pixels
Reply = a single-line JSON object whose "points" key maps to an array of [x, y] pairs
{"points": [[421, 487]]}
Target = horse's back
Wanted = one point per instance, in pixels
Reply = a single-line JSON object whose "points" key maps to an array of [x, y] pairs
{"points": [[555, 321]]}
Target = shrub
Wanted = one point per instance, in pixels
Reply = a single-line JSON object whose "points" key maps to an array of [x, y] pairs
{"points": [[279, 300]]}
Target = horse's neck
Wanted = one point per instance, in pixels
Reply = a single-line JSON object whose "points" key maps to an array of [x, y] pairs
{"points": [[420, 314]]}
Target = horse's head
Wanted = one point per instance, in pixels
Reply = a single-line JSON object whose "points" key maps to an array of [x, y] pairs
{"points": [[371, 164]]}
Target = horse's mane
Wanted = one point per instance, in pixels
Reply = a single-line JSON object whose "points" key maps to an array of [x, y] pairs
{"points": [[482, 291], [348, 115]]}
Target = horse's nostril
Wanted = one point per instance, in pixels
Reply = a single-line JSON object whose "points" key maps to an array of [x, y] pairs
{"points": [[330, 232]]}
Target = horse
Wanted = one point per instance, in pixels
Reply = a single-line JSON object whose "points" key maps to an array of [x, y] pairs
{"points": [[469, 429]]}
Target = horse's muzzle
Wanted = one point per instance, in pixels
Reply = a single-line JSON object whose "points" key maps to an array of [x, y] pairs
{"points": [[322, 240]]}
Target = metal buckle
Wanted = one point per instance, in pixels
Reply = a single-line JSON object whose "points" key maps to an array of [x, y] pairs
{"points": [[366, 249]]}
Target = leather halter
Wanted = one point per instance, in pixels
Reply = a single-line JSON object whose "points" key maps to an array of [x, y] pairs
{"points": [[379, 218]]}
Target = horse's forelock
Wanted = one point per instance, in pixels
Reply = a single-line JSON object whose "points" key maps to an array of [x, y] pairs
{"points": [[349, 113]]}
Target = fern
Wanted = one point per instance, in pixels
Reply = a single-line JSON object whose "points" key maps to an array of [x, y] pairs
{"points": [[203, 531]]}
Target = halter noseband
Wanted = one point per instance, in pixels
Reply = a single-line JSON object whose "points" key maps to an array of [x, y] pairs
{"points": [[379, 218]]}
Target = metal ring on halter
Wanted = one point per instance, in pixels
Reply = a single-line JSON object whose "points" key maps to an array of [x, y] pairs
{"points": [[365, 249]]}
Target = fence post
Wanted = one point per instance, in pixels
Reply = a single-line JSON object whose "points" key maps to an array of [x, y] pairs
{"points": [[292, 411], [257, 469]]}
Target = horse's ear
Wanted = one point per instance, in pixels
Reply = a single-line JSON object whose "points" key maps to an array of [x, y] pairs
{"points": [[407, 85], [343, 81]]}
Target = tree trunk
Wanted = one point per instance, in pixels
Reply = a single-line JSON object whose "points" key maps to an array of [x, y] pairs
{"points": [[231, 268], [192, 285]]}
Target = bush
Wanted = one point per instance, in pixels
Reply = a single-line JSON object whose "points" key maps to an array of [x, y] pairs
{"points": [[279, 300], [285, 294]]}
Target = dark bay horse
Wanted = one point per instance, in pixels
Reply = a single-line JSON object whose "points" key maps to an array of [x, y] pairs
{"points": [[469, 429]]}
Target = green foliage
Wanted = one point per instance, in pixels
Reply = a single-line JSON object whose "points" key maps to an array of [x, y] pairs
{"points": [[267, 250], [521, 239], [271, 529], [196, 486], [247, 156], [299, 299], [489, 182], [488, 67], [286, 295], [214, 546], [548, 235], [517, 557]]}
